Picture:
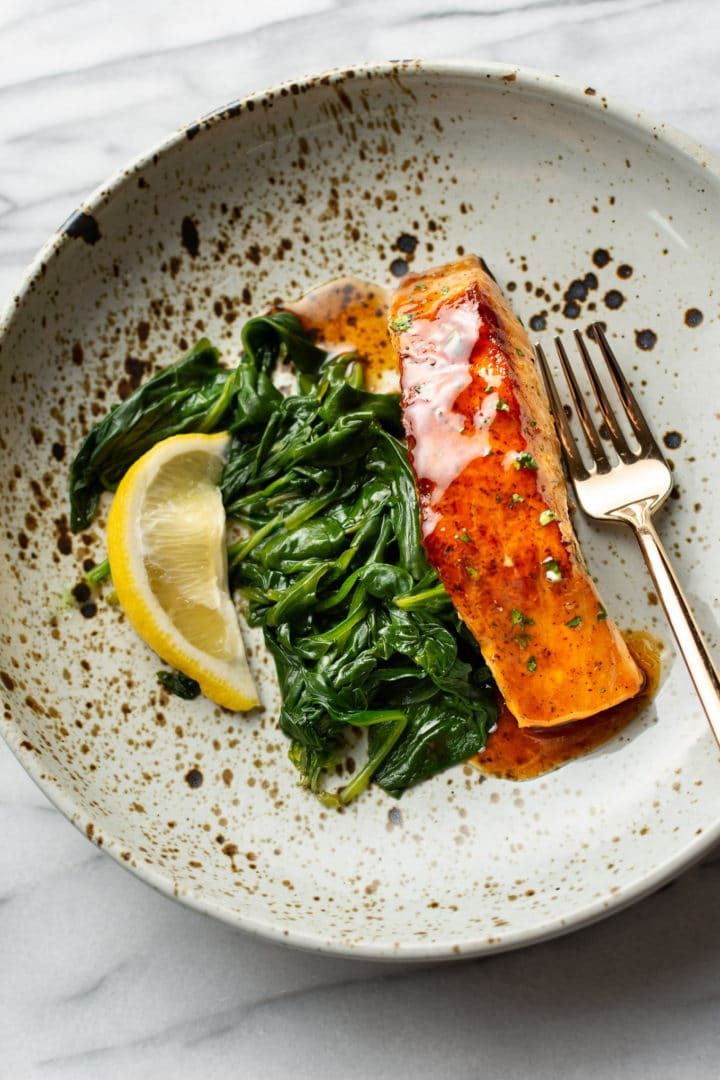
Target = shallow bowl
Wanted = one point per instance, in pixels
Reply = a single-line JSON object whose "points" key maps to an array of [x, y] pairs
{"points": [[584, 209]]}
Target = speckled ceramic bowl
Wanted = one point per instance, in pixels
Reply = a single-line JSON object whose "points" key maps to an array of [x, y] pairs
{"points": [[584, 210]]}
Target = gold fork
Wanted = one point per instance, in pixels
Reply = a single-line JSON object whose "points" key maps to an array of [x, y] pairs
{"points": [[630, 491]]}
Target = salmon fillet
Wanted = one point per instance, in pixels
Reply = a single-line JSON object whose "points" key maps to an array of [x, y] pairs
{"points": [[493, 499]]}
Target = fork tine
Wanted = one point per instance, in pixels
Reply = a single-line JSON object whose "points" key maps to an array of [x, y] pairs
{"points": [[618, 439], [634, 413], [572, 454], [588, 425]]}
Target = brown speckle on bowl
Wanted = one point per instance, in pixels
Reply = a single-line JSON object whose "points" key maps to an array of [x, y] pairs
{"points": [[194, 778], [601, 257], [645, 339], [614, 299], [189, 236], [83, 226]]}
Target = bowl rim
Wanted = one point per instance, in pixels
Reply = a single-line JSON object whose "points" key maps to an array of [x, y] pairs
{"points": [[514, 77]]}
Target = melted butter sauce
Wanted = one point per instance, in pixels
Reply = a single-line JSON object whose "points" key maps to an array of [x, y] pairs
{"points": [[451, 424], [436, 376], [350, 315], [515, 753]]}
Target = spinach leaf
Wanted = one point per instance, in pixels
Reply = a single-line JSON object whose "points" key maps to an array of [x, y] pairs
{"points": [[439, 733], [318, 539], [384, 580], [180, 685], [193, 394], [269, 339]]}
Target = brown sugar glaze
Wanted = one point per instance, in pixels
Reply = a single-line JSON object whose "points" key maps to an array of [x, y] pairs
{"points": [[515, 753], [348, 314]]}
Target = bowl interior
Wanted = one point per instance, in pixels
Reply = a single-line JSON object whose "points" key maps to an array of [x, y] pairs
{"points": [[583, 212]]}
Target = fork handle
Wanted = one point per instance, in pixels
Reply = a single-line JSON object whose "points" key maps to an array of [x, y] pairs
{"points": [[682, 621]]}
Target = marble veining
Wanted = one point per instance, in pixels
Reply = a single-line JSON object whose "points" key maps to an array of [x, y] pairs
{"points": [[102, 977]]}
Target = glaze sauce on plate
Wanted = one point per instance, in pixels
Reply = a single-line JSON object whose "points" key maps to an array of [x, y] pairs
{"points": [[350, 315], [515, 753]]}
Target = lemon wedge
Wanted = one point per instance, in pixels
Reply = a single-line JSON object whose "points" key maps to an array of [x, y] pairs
{"points": [[167, 552]]}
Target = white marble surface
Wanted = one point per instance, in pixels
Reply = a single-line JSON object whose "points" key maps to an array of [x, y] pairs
{"points": [[101, 977]]}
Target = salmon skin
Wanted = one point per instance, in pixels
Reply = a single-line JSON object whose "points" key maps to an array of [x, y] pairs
{"points": [[493, 499]]}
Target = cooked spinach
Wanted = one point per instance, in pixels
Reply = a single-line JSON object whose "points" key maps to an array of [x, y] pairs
{"points": [[332, 565], [191, 395], [175, 682]]}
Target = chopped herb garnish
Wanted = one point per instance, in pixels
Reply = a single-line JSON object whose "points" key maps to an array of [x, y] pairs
{"points": [[498, 498], [402, 322], [502, 405], [454, 343], [489, 389], [417, 389], [519, 352], [531, 664], [471, 571], [546, 517], [525, 461], [602, 614], [523, 640], [519, 619], [552, 570], [515, 498], [574, 622], [98, 573], [464, 537], [420, 288], [445, 290]]}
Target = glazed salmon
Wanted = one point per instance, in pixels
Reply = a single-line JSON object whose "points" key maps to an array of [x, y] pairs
{"points": [[493, 500]]}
